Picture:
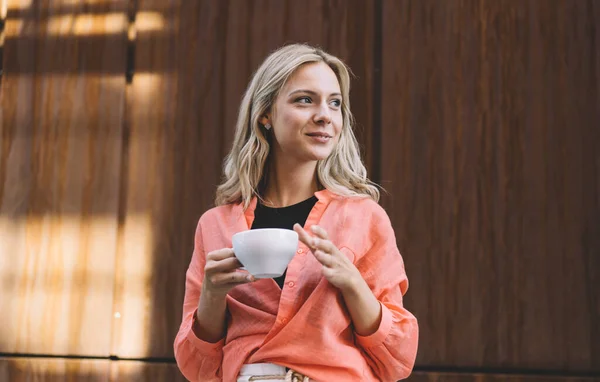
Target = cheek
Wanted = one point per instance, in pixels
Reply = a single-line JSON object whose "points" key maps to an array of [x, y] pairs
{"points": [[292, 124], [338, 124]]}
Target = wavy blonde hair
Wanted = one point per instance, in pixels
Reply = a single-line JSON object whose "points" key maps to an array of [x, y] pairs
{"points": [[244, 170]]}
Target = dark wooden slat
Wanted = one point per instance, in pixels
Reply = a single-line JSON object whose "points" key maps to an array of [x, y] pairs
{"points": [[490, 118], [462, 377]]}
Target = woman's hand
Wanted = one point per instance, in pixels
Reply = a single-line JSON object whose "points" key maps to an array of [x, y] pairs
{"points": [[222, 273], [337, 268], [365, 310]]}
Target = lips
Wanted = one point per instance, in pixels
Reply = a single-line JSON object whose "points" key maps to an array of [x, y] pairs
{"points": [[319, 135]]}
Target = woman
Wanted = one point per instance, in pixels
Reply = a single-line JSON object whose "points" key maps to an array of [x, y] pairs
{"points": [[336, 314]]}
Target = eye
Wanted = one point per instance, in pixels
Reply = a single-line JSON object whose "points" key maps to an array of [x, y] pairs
{"points": [[336, 102], [303, 100]]}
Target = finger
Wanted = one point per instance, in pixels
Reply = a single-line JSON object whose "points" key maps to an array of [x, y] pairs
{"points": [[235, 277], [220, 254], [324, 258], [325, 246], [327, 272], [320, 232], [224, 265], [303, 236]]}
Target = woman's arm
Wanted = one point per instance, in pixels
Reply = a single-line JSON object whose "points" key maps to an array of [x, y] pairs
{"points": [[220, 276], [373, 291], [197, 359], [209, 323], [199, 342], [363, 307]]}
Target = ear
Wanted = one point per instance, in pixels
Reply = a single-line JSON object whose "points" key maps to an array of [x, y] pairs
{"points": [[264, 119]]}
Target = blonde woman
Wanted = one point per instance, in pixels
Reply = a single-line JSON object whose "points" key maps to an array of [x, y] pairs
{"points": [[337, 312]]}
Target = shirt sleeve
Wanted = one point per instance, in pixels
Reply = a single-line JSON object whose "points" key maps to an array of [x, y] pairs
{"points": [[197, 360], [390, 351]]}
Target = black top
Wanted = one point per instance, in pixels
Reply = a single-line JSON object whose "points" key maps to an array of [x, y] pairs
{"points": [[284, 217]]}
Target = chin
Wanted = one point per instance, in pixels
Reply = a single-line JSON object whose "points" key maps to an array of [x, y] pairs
{"points": [[321, 155], [313, 154]]}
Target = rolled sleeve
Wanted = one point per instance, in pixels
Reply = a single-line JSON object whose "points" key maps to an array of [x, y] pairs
{"points": [[206, 348], [377, 338]]}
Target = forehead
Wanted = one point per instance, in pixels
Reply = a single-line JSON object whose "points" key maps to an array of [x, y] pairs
{"points": [[315, 76]]}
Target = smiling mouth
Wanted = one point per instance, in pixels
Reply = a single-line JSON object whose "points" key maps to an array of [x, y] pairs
{"points": [[319, 135]]}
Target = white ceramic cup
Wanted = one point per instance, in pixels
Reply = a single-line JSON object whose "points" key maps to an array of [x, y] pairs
{"points": [[265, 253]]}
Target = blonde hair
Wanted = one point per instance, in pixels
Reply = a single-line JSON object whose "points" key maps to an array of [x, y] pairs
{"points": [[342, 173]]}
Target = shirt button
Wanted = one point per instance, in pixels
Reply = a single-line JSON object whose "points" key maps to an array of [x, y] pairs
{"points": [[300, 251], [291, 284]]}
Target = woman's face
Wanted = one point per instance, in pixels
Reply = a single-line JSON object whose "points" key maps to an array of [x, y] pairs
{"points": [[306, 118]]}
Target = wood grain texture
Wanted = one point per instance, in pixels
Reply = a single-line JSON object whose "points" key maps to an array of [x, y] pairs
{"points": [[490, 157], [172, 167], [67, 21], [181, 114], [136, 371], [75, 370], [53, 370], [60, 155], [490, 115], [463, 377]]}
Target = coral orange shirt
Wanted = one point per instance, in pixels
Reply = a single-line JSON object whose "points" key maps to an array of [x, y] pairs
{"points": [[304, 326]]}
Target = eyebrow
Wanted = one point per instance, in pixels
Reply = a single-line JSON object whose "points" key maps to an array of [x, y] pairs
{"points": [[312, 92]]}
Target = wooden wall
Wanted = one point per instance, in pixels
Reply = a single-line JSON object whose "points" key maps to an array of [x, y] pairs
{"points": [[480, 118], [490, 153]]}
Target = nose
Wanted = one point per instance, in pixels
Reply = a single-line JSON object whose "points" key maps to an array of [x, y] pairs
{"points": [[323, 115]]}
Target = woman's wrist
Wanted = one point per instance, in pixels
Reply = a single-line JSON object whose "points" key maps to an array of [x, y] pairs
{"points": [[211, 298], [363, 307], [209, 320], [355, 287]]}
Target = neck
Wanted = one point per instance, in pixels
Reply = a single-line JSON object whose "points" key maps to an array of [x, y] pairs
{"points": [[290, 183]]}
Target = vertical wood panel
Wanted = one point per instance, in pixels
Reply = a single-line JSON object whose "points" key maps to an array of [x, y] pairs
{"points": [[53, 370], [75, 370], [464, 377], [183, 105], [149, 170], [173, 166], [59, 174], [134, 371], [490, 119]]}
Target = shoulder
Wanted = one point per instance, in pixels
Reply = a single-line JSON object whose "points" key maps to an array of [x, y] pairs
{"points": [[217, 212], [361, 223], [362, 209], [217, 216]]}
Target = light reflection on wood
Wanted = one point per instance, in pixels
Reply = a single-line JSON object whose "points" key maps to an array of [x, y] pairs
{"points": [[76, 370], [60, 172]]}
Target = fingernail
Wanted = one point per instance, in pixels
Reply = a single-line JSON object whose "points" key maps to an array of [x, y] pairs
{"points": [[313, 228], [249, 278]]}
